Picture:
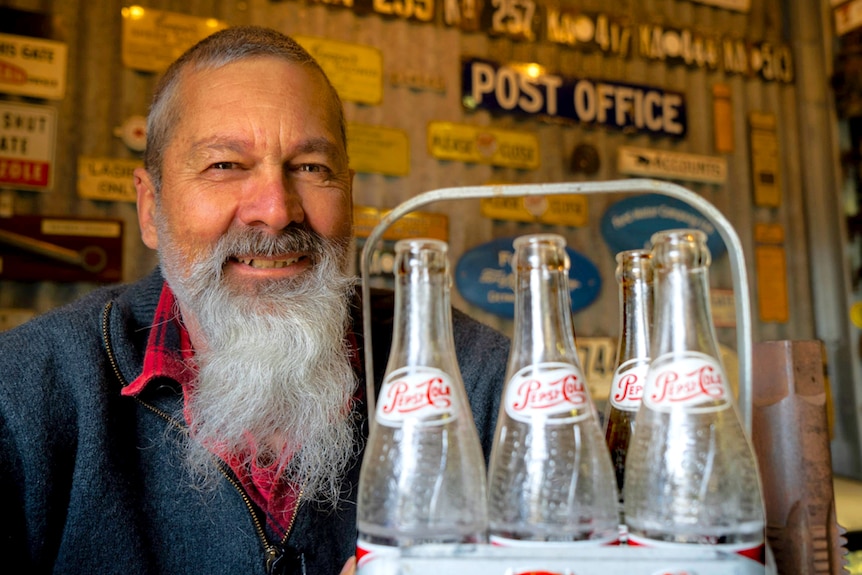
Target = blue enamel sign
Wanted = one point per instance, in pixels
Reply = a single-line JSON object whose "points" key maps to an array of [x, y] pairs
{"points": [[484, 277], [630, 223], [499, 88]]}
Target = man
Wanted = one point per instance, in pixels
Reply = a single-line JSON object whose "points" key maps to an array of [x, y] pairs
{"points": [[210, 418]]}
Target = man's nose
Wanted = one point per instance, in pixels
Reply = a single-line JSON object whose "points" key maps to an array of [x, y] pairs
{"points": [[272, 201]]}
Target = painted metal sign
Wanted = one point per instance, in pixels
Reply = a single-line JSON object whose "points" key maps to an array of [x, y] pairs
{"points": [[412, 225], [152, 39], [32, 67], [479, 145], [630, 223], [765, 159], [508, 89], [654, 163], [356, 71], [563, 209], [484, 277], [378, 150], [27, 141], [44, 248], [110, 179]]}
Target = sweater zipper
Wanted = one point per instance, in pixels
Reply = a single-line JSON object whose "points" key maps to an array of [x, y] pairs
{"points": [[272, 552]]}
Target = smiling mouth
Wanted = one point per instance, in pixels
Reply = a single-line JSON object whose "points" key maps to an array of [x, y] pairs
{"points": [[267, 264]]}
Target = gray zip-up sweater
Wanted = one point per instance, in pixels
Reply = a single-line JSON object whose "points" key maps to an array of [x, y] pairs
{"points": [[93, 482]]}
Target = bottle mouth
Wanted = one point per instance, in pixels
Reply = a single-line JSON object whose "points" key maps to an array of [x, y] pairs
{"points": [[541, 251], [683, 246], [421, 254], [634, 265]]}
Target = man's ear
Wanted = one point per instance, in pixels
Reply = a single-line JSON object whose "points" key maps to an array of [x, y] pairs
{"points": [[146, 207]]}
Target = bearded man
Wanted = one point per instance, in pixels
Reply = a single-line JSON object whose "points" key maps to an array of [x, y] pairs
{"points": [[210, 417]]}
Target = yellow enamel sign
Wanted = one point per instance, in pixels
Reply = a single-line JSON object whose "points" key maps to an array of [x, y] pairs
{"points": [[356, 71], [152, 39], [378, 150], [412, 225], [479, 145], [109, 179], [563, 210]]}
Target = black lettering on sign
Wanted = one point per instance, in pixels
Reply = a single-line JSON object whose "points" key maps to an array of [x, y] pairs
{"points": [[39, 54], [23, 123]]}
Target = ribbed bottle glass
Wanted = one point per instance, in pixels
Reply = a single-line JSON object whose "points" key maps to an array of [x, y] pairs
{"points": [[550, 477], [423, 473], [634, 277], [691, 473]]}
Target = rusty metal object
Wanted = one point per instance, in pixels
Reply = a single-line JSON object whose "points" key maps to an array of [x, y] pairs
{"points": [[791, 438]]}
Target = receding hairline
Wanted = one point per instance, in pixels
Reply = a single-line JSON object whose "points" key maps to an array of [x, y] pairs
{"points": [[231, 45]]}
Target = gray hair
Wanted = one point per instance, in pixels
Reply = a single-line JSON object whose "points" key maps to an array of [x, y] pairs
{"points": [[213, 52]]}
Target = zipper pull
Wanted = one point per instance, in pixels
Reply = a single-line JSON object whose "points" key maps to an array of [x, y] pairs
{"points": [[274, 555]]}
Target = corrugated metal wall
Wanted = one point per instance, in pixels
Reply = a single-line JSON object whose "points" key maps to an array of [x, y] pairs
{"points": [[102, 94]]}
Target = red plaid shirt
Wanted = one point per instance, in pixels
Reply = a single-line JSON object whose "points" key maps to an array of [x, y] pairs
{"points": [[170, 354]]}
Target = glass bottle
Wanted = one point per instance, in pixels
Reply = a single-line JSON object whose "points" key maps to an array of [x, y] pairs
{"points": [[634, 277], [422, 479], [691, 473], [550, 478]]}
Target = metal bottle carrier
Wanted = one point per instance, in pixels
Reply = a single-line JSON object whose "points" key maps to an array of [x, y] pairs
{"points": [[622, 560]]}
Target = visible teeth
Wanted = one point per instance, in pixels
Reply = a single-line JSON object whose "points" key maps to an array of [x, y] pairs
{"points": [[267, 264]]}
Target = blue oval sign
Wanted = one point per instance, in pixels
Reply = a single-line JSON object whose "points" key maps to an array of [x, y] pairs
{"points": [[630, 223], [484, 277]]}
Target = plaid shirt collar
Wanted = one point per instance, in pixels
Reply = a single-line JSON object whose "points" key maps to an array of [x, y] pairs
{"points": [[169, 350]]}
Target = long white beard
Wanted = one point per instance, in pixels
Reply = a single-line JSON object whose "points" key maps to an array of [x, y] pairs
{"points": [[275, 382]]}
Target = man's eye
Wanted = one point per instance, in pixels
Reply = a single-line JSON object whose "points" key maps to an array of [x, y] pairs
{"points": [[312, 168], [223, 166]]}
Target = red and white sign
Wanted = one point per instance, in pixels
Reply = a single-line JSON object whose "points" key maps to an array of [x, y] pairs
{"points": [[27, 141]]}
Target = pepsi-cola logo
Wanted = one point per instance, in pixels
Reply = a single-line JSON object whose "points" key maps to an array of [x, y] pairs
{"points": [[548, 389], [690, 380], [628, 384], [422, 393]]}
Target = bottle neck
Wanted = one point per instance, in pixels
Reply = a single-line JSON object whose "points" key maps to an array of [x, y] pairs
{"points": [[422, 331], [683, 319], [636, 304], [543, 319]]}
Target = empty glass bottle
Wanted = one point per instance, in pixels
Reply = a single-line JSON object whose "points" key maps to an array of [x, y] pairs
{"points": [[423, 473], [550, 477], [691, 473]]}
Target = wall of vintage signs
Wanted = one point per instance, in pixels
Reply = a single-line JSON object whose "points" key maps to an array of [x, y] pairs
{"points": [[729, 98]]}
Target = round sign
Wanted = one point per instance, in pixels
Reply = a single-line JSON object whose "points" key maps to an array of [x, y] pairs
{"points": [[484, 277]]}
